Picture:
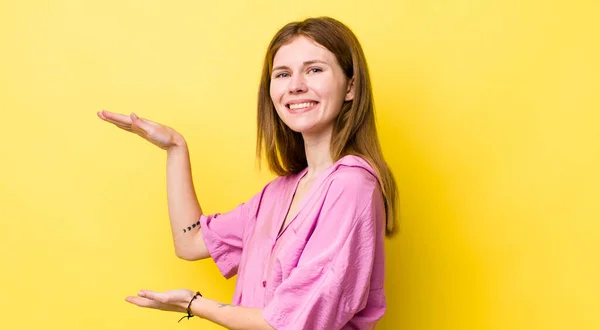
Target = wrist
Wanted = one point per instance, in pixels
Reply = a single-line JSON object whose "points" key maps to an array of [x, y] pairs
{"points": [[187, 305], [179, 141], [186, 301], [178, 144]]}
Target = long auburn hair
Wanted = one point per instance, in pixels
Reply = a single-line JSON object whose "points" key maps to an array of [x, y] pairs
{"points": [[354, 131]]}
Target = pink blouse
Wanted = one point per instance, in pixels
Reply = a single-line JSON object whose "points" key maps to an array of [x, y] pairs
{"points": [[326, 269]]}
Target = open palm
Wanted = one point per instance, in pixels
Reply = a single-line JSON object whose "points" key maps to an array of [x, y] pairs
{"points": [[160, 135], [172, 301]]}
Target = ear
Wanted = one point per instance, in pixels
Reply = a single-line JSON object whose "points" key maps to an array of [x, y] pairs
{"points": [[350, 90]]}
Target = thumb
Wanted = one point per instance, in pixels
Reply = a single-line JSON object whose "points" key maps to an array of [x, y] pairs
{"points": [[138, 123]]}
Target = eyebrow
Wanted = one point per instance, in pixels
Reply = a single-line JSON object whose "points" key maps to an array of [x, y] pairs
{"points": [[305, 64]]}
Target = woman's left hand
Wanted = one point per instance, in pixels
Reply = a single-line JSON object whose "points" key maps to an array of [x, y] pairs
{"points": [[172, 301]]}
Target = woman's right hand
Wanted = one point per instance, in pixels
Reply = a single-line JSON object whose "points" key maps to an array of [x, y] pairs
{"points": [[160, 135]]}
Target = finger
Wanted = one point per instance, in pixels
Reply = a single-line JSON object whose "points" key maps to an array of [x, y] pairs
{"points": [[157, 296], [128, 127], [116, 122], [114, 117], [125, 127], [149, 303], [143, 302], [122, 126], [144, 124], [143, 127]]}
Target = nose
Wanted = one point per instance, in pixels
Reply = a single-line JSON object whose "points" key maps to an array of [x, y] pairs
{"points": [[297, 84]]}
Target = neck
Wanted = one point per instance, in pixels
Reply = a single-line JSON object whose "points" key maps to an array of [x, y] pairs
{"points": [[318, 152]]}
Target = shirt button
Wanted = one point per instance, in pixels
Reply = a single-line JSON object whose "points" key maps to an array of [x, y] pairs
{"points": [[264, 284]]}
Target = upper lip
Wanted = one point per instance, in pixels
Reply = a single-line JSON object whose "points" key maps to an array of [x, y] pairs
{"points": [[299, 102]]}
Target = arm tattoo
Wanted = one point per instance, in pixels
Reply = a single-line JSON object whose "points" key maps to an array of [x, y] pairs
{"points": [[194, 225], [223, 305]]}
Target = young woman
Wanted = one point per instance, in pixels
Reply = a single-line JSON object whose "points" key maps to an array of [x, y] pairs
{"points": [[308, 249]]}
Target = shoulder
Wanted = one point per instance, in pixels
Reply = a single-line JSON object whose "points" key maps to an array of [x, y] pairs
{"points": [[353, 182], [354, 174], [350, 203]]}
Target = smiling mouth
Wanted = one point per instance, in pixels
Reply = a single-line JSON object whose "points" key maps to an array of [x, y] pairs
{"points": [[301, 106]]}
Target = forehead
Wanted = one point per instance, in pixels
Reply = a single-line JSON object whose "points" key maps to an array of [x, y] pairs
{"points": [[300, 50]]}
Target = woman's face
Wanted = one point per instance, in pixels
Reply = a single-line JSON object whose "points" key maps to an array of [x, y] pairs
{"points": [[308, 86]]}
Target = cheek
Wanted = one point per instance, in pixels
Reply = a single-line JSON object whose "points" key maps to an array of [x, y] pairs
{"points": [[276, 94], [276, 91], [327, 89], [272, 93], [321, 86]]}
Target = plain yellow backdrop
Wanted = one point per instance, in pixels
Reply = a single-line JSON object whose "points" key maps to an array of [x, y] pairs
{"points": [[487, 112]]}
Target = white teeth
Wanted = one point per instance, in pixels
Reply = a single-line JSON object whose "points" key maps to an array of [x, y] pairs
{"points": [[301, 105]]}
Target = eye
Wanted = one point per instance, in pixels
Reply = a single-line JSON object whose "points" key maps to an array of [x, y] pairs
{"points": [[315, 70], [282, 75]]}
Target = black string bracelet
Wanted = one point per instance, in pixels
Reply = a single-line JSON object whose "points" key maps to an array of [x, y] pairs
{"points": [[189, 312]]}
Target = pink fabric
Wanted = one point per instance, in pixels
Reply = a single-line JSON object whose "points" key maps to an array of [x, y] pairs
{"points": [[326, 269]]}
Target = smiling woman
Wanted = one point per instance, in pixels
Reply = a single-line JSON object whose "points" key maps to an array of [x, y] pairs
{"points": [[308, 248], [299, 86]]}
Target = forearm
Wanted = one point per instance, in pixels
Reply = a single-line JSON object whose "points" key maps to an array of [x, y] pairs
{"points": [[228, 316], [183, 205]]}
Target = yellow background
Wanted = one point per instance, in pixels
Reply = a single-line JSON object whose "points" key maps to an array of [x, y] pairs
{"points": [[487, 111]]}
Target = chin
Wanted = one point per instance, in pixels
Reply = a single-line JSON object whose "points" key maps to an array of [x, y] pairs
{"points": [[301, 128], [306, 128]]}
